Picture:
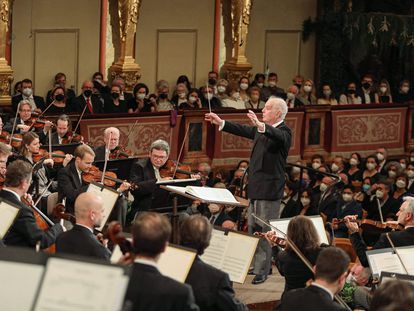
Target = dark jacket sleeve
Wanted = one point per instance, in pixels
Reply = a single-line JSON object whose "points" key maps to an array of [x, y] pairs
{"points": [[137, 177], [360, 248], [282, 134], [240, 130], [66, 188], [190, 300], [226, 299]]}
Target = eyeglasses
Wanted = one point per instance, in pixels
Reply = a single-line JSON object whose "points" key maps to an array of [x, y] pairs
{"points": [[159, 157]]}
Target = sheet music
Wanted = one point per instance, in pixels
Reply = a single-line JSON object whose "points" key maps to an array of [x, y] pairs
{"points": [[81, 286], [384, 260], [407, 257], [8, 214], [20, 283], [109, 198], [176, 262], [231, 253], [212, 194]]}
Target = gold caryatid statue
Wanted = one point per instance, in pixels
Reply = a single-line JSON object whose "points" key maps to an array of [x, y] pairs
{"points": [[124, 19], [6, 73], [236, 20]]}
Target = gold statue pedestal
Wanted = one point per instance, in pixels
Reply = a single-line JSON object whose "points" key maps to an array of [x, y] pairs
{"points": [[6, 79], [128, 70], [234, 69]]}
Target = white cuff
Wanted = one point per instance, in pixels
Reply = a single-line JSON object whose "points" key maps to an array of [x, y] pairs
{"points": [[222, 125]]}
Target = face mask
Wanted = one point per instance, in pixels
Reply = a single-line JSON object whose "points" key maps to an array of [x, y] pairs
{"points": [[405, 89], [27, 91], [208, 96], [334, 167], [182, 95], [115, 95], [290, 96], [163, 96], [212, 81], [383, 89], [379, 194], [59, 97], [411, 159], [295, 170], [371, 166], [327, 93], [272, 83], [410, 174], [400, 184], [254, 98], [353, 161], [347, 197], [87, 93], [192, 99], [221, 89], [403, 165], [298, 85], [380, 156], [366, 85], [351, 91], [316, 165], [260, 85], [392, 174], [285, 195], [305, 201], [141, 96], [323, 187], [366, 187], [244, 86], [307, 88]]}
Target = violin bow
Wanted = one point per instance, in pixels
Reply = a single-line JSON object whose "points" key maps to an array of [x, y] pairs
{"points": [[129, 133], [106, 158], [77, 124], [14, 124], [34, 205], [300, 255], [50, 143], [181, 149]]}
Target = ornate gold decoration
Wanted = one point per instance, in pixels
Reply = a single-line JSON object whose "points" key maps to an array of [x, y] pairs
{"points": [[6, 73]]}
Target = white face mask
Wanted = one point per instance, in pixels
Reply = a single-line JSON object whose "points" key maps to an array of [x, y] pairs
{"points": [[405, 89], [272, 83], [334, 167], [221, 89], [260, 85], [208, 96], [295, 170], [379, 194], [323, 187], [371, 166], [27, 91], [182, 95], [403, 166], [290, 96], [380, 156], [400, 184], [347, 197], [141, 96], [327, 93], [316, 165], [411, 159], [305, 201], [383, 89], [353, 161], [244, 86], [392, 174], [285, 195], [192, 99], [410, 174], [307, 88]]}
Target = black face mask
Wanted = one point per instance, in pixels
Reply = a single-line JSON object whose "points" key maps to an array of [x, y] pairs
{"points": [[366, 85], [351, 91], [87, 93], [236, 181], [163, 96], [115, 95], [212, 81], [59, 97], [298, 85]]}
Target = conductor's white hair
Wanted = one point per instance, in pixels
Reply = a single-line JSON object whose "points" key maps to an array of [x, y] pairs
{"points": [[410, 206], [280, 104]]}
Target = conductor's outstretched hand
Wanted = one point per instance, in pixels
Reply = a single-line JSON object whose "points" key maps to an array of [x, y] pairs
{"points": [[213, 118]]}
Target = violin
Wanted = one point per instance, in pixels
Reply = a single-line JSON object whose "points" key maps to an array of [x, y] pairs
{"points": [[16, 140], [57, 156], [110, 179], [114, 233], [170, 167], [120, 153], [369, 224], [72, 138], [36, 122], [272, 238], [59, 212]]}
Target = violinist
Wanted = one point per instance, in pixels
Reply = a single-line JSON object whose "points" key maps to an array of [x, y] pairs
{"points": [[80, 240], [23, 121], [25, 232], [111, 139], [63, 125], [399, 238], [5, 152]]}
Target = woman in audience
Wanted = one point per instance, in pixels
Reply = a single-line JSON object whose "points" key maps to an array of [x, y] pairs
{"points": [[350, 97], [184, 79], [163, 102], [140, 103], [234, 101], [254, 101], [371, 164], [400, 188], [307, 93], [393, 169], [403, 94], [208, 98], [17, 90], [58, 104], [403, 163], [327, 97], [60, 80], [180, 95], [113, 104], [383, 95], [243, 86], [222, 90], [307, 208], [354, 172], [193, 101]]}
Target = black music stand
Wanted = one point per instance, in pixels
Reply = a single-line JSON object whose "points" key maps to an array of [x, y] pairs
{"points": [[121, 167]]}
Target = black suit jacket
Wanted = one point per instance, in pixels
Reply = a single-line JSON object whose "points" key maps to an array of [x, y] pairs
{"points": [[267, 160], [344, 209], [100, 153], [69, 185], [25, 231], [291, 209], [39, 101], [390, 207], [212, 288], [78, 103], [143, 175], [219, 218], [149, 290], [311, 298], [81, 241], [360, 93], [399, 238]]}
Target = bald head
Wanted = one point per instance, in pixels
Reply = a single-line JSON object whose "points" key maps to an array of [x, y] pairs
{"points": [[89, 210], [274, 111]]}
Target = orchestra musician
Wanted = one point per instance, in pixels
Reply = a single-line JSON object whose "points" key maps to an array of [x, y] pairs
{"points": [[212, 288], [23, 120], [25, 231], [80, 240], [148, 289], [5, 152], [111, 139], [399, 238], [63, 125], [271, 143]]}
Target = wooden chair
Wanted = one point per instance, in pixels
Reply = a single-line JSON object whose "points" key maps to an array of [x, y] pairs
{"points": [[346, 245]]}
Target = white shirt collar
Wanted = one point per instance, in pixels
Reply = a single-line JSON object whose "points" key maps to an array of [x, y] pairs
{"points": [[277, 123], [146, 262], [325, 289], [15, 193], [410, 226]]}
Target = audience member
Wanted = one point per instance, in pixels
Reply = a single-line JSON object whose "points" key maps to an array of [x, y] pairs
{"points": [[272, 89], [184, 79], [298, 81], [193, 101], [366, 92], [350, 97], [163, 102], [243, 86], [59, 103], [208, 99], [114, 103], [254, 99], [123, 95], [36, 102], [140, 102], [87, 99], [60, 81], [222, 90], [383, 94], [403, 94], [307, 93], [327, 97], [180, 95]]}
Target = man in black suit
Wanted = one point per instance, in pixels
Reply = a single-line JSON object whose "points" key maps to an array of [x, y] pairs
{"points": [[330, 275], [218, 216], [367, 90], [92, 102], [111, 140], [80, 240], [36, 102], [145, 173], [212, 288], [63, 125], [148, 289], [25, 232], [271, 143], [399, 238]]}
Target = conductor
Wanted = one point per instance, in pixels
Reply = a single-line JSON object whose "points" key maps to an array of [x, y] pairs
{"points": [[271, 143]]}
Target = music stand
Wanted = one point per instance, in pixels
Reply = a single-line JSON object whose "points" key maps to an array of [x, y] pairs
{"points": [[66, 148], [121, 167]]}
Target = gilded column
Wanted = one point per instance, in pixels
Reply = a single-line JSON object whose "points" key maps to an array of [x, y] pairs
{"points": [[236, 20], [6, 72], [124, 19]]}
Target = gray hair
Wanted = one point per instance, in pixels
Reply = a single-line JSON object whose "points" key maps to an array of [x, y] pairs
{"points": [[410, 206], [161, 84], [280, 104], [111, 129], [160, 144]]}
